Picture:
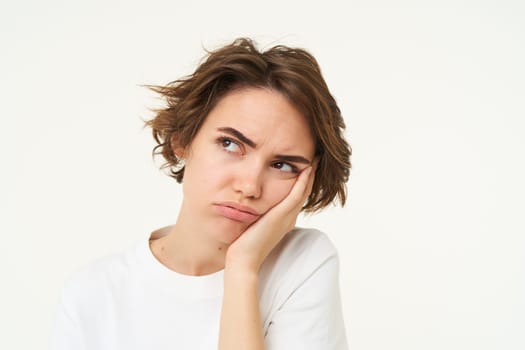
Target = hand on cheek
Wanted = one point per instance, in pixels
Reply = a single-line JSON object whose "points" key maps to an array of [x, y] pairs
{"points": [[252, 247]]}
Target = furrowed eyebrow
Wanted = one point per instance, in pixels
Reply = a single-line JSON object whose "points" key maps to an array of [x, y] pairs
{"points": [[279, 157], [293, 159], [239, 135]]}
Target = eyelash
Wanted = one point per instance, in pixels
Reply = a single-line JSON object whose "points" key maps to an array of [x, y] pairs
{"points": [[223, 139], [293, 167]]}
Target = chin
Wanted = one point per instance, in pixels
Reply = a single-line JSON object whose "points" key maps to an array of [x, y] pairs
{"points": [[228, 232]]}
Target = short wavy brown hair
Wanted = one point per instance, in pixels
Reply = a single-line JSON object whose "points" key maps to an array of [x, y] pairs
{"points": [[292, 72]]}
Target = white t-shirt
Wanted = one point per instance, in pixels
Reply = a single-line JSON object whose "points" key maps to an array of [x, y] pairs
{"points": [[131, 301]]}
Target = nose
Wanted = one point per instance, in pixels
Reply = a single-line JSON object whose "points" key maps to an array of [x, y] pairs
{"points": [[248, 180]]}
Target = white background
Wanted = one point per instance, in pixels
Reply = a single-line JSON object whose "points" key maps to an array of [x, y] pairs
{"points": [[432, 240]]}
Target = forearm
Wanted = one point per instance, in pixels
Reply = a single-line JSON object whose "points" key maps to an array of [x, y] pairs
{"points": [[241, 326]]}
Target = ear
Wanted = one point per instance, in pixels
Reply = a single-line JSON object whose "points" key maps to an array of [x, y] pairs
{"points": [[179, 151]]}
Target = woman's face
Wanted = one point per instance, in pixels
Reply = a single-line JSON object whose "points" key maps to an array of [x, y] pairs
{"points": [[243, 161]]}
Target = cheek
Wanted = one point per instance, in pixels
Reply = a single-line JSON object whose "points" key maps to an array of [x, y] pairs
{"points": [[277, 190], [206, 173]]}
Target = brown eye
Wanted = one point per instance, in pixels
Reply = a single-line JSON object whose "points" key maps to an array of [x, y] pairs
{"points": [[283, 166], [229, 145]]}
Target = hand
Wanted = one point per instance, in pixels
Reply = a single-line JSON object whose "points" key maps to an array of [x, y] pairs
{"points": [[251, 248]]}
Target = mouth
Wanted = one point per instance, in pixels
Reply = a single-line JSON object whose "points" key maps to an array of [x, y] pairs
{"points": [[236, 211]]}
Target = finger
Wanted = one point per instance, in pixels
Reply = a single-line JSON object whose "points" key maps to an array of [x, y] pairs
{"points": [[303, 181], [311, 178], [296, 196]]}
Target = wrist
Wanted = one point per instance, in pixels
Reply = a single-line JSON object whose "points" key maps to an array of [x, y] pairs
{"points": [[242, 262], [239, 270]]}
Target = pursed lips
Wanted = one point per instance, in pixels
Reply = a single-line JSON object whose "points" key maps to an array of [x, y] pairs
{"points": [[236, 211]]}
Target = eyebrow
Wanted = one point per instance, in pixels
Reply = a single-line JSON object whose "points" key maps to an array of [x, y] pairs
{"points": [[293, 159], [238, 135], [246, 140]]}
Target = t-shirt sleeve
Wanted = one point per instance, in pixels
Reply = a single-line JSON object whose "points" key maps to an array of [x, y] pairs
{"points": [[66, 332], [311, 316]]}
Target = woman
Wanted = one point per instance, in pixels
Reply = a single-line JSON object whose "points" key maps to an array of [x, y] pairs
{"points": [[254, 138]]}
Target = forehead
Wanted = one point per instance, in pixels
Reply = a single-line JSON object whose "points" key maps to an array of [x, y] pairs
{"points": [[263, 115]]}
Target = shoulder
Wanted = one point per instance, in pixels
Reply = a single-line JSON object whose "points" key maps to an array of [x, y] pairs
{"points": [[90, 283], [301, 254], [299, 293], [303, 247], [301, 239]]}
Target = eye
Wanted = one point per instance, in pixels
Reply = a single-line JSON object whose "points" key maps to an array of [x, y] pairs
{"points": [[229, 145], [285, 167]]}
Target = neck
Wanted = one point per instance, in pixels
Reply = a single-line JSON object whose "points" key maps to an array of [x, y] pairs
{"points": [[186, 248]]}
